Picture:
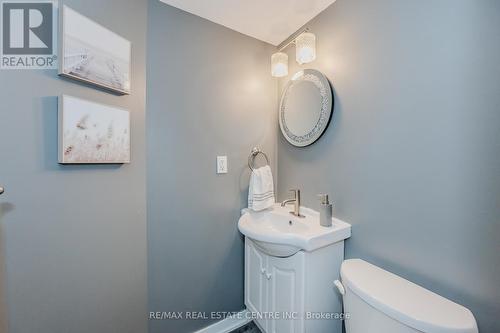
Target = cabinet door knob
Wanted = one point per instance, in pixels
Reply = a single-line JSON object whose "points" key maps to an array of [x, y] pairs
{"points": [[268, 275], [2, 190]]}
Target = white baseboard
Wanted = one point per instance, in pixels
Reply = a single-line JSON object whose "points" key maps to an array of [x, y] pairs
{"points": [[229, 324]]}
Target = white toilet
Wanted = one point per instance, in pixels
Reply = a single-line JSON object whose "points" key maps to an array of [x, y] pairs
{"points": [[376, 301]]}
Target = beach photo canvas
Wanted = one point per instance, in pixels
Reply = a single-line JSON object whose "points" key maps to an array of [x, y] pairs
{"points": [[91, 53], [92, 133]]}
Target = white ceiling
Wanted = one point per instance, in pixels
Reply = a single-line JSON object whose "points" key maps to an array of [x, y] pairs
{"points": [[271, 21]]}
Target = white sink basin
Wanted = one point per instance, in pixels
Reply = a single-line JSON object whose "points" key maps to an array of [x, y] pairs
{"points": [[281, 234]]}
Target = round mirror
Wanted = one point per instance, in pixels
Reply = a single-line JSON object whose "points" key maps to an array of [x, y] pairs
{"points": [[306, 107]]}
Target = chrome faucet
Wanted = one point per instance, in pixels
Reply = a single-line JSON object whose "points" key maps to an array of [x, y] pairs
{"points": [[296, 203]]}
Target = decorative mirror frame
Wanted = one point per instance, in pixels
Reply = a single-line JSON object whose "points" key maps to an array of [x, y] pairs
{"points": [[327, 103]]}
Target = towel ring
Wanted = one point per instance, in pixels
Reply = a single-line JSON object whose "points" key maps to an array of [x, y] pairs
{"points": [[251, 158]]}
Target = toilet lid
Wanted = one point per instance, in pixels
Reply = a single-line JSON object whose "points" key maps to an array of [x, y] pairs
{"points": [[405, 301]]}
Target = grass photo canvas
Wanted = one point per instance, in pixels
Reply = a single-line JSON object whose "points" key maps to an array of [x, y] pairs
{"points": [[92, 133]]}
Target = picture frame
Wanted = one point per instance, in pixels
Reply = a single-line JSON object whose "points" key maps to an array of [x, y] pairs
{"points": [[92, 133], [93, 54]]}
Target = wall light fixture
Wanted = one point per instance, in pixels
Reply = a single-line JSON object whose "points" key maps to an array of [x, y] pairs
{"points": [[279, 64], [305, 52]]}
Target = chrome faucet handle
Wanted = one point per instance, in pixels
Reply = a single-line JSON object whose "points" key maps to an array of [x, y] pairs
{"points": [[296, 203], [297, 195]]}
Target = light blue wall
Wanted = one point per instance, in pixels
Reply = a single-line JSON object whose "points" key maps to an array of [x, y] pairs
{"points": [[73, 238], [412, 155], [411, 160], [209, 93]]}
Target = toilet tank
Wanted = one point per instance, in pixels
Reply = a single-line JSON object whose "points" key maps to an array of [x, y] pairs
{"points": [[381, 302]]}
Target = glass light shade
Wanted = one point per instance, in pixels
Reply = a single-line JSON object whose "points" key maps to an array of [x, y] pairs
{"points": [[279, 64], [305, 48]]}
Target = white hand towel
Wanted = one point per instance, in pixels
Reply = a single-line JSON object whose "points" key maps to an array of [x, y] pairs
{"points": [[261, 189]]}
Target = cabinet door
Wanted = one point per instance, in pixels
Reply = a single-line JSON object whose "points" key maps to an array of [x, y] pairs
{"points": [[286, 293], [255, 281]]}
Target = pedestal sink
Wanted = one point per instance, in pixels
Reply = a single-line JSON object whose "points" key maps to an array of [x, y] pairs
{"points": [[278, 233], [291, 264]]}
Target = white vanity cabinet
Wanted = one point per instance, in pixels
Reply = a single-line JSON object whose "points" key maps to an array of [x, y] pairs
{"points": [[286, 295]]}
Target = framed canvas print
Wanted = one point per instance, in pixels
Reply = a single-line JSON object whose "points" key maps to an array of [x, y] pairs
{"points": [[93, 54], [92, 133]]}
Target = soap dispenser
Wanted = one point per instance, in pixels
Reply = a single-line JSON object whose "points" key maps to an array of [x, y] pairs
{"points": [[325, 211]]}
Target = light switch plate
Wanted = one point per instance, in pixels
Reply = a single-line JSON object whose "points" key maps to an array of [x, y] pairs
{"points": [[221, 164]]}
